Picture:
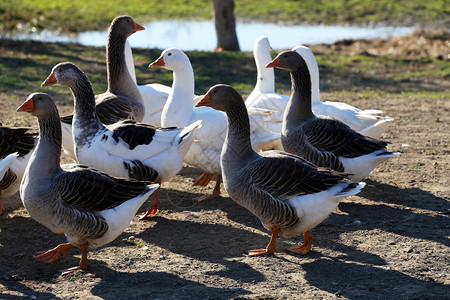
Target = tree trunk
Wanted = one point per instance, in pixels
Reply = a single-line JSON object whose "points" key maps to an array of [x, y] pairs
{"points": [[223, 16]]}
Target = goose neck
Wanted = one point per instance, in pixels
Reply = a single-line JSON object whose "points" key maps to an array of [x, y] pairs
{"points": [[46, 157], [85, 115], [299, 106], [265, 76], [179, 105], [119, 78], [237, 147]]}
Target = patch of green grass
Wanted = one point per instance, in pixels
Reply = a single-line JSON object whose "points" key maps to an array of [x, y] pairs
{"points": [[83, 15], [25, 65]]}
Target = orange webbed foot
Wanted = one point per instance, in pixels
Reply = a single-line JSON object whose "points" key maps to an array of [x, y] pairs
{"points": [[207, 197], [262, 251], [53, 254], [215, 193], [84, 265], [306, 246], [203, 179], [154, 204], [271, 247]]}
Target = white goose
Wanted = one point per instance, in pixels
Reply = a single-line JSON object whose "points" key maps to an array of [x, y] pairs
{"points": [[125, 149], [289, 195], [16, 147], [263, 95], [179, 111], [323, 141], [88, 206], [154, 95], [366, 122]]}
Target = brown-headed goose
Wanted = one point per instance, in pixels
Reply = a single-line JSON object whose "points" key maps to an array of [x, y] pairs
{"points": [[122, 100], [179, 111], [90, 207], [366, 122], [325, 142], [288, 194], [125, 149], [16, 146]]}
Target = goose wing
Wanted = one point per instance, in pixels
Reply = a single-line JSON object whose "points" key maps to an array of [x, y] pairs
{"points": [[137, 140], [112, 109], [336, 137], [88, 189], [285, 175], [16, 139]]}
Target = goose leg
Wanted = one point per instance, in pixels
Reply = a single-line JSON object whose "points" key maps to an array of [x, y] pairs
{"points": [[215, 193], [154, 203], [271, 247], [203, 179], [53, 254], [306, 246], [84, 265]]}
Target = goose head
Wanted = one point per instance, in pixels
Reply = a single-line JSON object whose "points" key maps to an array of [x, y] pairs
{"points": [[124, 26], [39, 105], [221, 97], [63, 74], [265, 77], [262, 45], [171, 59], [287, 60]]}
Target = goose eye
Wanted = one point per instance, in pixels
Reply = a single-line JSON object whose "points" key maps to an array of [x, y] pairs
{"points": [[214, 91], [169, 54], [39, 98], [128, 21], [59, 70], [285, 55]]}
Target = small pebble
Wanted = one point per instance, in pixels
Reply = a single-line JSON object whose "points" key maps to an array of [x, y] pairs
{"points": [[408, 250]]}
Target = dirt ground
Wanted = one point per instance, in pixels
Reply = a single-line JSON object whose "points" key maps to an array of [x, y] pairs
{"points": [[389, 242]]}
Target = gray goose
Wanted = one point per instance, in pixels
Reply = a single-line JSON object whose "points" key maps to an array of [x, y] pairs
{"points": [[323, 141], [125, 149], [90, 207], [288, 194], [16, 146], [122, 100]]}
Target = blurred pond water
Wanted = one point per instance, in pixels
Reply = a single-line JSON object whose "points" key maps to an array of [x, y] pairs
{"points": [[200, 35]]}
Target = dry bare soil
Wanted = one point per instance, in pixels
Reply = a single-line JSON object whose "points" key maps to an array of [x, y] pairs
{"points": [[389, 242]]}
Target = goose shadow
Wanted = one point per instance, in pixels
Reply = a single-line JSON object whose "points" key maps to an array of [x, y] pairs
{"points": [[154, 284], [431, 224], [325, 232], [213, 243], [17, 286], [356, 281], [411, 197]]}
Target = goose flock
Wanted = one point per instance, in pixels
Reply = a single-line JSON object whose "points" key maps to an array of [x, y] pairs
{"points": [[288, 159]]}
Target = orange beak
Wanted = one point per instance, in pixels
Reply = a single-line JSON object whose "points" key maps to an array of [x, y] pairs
{"points": [[51, 80], [157, 63], [204, 101], [274, 63], [137, 27], [27, 106]]}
